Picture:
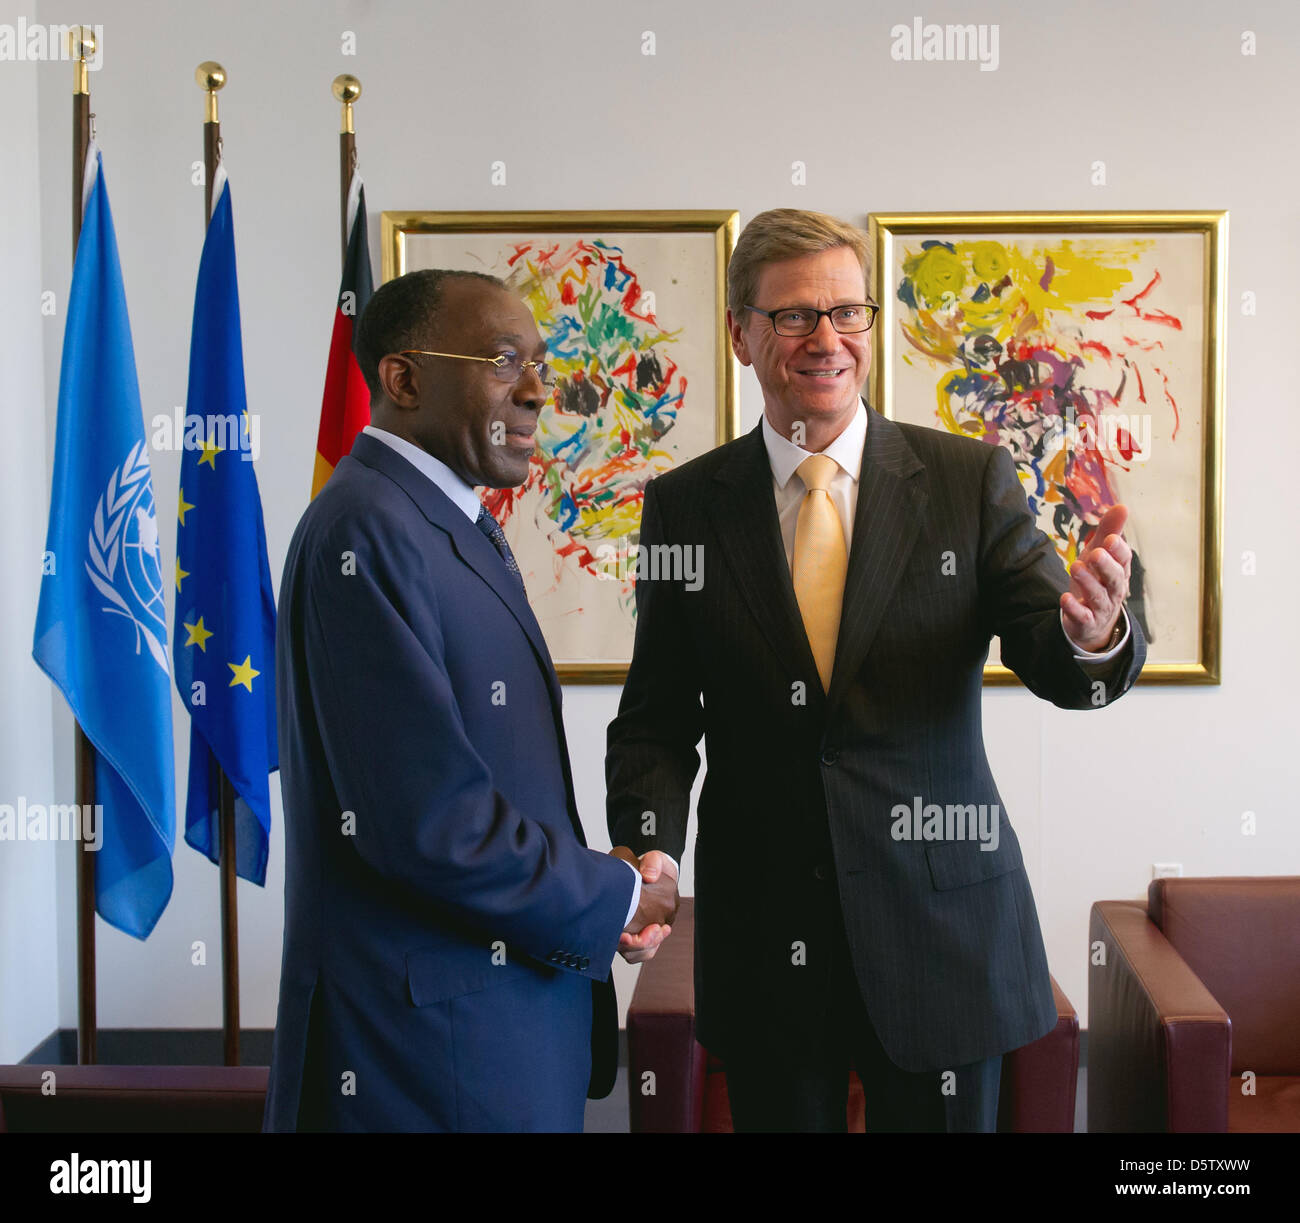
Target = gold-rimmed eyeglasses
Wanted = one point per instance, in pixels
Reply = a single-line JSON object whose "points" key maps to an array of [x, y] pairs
{"points": [[507, 366]]}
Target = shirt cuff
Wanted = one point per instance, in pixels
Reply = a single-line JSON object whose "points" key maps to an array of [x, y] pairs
{"points": [[1082, 655], [636, 892]]}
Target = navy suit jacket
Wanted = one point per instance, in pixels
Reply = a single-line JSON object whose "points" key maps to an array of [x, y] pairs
{"points": [[796, 850], [448, 936]]}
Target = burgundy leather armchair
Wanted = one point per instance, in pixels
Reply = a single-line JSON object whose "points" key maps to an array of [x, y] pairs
{"points": [[1194, 1015], [676, 1086], [132, 1099]]}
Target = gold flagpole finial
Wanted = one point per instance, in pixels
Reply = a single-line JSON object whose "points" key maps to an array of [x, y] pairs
{"points": [[81, 46], [210, 77], [347, 89]]}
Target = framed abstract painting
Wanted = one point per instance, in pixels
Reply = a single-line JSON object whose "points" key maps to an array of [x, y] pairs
{"points": [[1090, 346], [632, 308]]}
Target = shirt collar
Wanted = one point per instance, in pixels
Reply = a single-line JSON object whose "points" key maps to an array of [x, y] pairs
{"points": [[785, 457], [462, 495]]}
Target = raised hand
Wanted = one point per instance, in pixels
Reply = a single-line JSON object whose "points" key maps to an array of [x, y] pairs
{"points": [[1098, 583], [657, 909]]}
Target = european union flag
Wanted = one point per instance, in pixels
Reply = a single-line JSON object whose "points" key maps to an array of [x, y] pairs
{"points": [[101, 627], [224, 647]]}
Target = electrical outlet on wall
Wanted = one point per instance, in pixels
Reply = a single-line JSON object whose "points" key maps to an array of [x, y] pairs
{"points": [[1166, 870]]}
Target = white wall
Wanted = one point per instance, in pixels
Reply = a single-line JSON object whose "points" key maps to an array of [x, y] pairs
{"points": [[562, 93], [30, 911]]}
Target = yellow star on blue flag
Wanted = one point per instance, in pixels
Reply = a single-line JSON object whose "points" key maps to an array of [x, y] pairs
{"points": [[225, 602]]}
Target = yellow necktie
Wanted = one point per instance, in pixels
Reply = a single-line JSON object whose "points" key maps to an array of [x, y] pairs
{"points": [[820, 562]]}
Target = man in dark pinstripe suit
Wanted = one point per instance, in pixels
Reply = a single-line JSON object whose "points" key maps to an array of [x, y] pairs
{"points": [[860, 895]]}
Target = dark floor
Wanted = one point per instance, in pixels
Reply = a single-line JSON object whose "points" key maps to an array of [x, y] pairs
{"points": [[609, 1116]]}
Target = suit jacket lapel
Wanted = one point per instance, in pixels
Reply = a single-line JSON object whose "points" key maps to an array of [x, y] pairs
{"points": [[891, 500], [468, 542], [744, 516]]}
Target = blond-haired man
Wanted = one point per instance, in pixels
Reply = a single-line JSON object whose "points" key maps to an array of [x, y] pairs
{"points": [[854, 572]]}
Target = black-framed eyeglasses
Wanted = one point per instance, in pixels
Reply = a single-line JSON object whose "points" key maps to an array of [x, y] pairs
{"points": [[507, 366], [804, 320]]}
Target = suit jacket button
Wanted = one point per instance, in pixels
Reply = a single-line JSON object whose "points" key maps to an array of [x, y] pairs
{"points": [[554, 957], [830, 756], [821, 871], [586, 963]]}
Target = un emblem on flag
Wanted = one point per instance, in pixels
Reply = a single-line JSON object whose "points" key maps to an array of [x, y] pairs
{"points": [[123, 559]]}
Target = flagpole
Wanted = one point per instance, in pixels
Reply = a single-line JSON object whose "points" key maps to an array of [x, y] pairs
{"points": [[345, 404], [81, 43], [346, 89], [211, 77]]}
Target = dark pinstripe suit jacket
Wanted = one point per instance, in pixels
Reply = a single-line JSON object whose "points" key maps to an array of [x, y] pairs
{"points": [[797, 831]]}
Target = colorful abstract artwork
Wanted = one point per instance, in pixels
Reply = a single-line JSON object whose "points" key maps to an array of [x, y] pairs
{"points": [[1087, 346], [631, 317]]}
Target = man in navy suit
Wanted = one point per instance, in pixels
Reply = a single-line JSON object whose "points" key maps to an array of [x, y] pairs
{"points": [[854, 571], [448, 934]]}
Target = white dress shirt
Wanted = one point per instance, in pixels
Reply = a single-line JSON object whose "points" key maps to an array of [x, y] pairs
{"points": [[788, 486], [789, 490], [464, 497]]}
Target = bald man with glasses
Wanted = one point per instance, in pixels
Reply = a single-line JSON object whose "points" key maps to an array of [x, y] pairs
{"points": [[448, 934]]}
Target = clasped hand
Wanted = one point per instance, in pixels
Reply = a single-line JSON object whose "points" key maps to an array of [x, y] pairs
{"points": [[657, 908]]}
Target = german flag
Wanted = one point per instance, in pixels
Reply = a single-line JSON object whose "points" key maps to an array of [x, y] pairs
{"points": [[345, 406]]}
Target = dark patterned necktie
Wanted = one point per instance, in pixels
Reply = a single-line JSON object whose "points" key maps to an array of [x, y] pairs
{"points": [[492, 529]]}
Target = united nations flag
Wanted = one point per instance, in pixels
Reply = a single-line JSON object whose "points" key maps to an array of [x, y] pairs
{"points": [[101, 630], [224, 643]]}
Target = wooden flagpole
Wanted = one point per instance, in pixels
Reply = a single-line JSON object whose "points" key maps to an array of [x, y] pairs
{"points": [[211, 77], [346, 89], [82, 44]]}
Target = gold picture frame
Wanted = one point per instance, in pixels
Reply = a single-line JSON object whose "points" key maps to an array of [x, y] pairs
{"points": [[1030, 330], [575, 545]]}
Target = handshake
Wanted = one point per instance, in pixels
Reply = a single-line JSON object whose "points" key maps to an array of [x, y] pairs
{"points": [[657, 909]]}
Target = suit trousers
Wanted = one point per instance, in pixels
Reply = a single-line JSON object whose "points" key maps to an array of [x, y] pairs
{"points": [[777, 1086]]}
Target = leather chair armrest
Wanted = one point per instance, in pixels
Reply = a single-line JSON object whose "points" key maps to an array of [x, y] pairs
{"points": [[1159, 1045], [1040, 1081], [666, 1065], [132, 1099]]}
